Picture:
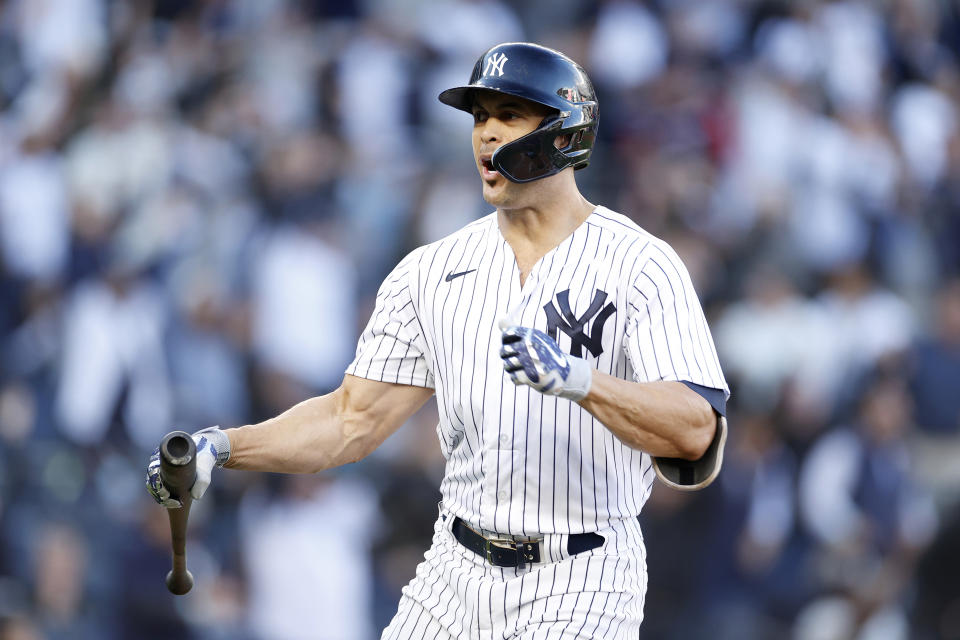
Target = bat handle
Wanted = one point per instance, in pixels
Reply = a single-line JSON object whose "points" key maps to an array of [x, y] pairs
{"points": [[178, 470], [179, 579]]}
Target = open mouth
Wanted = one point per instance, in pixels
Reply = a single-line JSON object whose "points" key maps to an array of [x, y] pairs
{"points": [[487, 172]]}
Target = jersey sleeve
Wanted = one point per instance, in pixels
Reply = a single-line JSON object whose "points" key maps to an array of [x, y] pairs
{"points": [[392, 348], [667, 337]]}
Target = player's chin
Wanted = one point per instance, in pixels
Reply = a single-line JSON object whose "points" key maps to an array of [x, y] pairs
{"points": [[495, 191]]}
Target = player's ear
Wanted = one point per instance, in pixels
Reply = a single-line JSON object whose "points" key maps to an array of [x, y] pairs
{"points": [[691, 475]]}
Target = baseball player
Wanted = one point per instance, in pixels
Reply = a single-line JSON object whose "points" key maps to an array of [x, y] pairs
{"points": [[571, 364]]}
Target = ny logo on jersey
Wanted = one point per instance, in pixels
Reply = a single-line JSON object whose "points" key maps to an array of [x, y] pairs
{"points": [[495, 64], [566, 321]]}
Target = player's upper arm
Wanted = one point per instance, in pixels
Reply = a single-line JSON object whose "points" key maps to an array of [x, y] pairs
{"points": [[371, 410], [393, 347], [669, 339], [392, 374]]}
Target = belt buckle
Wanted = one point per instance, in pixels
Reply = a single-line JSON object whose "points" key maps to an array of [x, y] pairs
{"points": [[520, 548]]}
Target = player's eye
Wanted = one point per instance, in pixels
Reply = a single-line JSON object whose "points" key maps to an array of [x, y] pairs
{"points": [[479, 116]]}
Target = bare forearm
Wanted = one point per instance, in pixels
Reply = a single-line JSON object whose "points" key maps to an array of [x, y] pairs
{"points": [[326, 431], [307, 438], [665, 419]]}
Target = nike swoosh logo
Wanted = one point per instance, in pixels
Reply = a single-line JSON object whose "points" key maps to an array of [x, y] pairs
{"points": [[452, 275]]}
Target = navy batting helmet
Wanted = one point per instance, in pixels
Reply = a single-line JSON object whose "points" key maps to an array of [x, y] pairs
{"points": [[546, 77]]}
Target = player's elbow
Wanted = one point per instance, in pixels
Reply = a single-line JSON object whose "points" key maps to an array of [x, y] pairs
{"points": [[356, 440], [694, 444], [357, 434], [696, 439]]}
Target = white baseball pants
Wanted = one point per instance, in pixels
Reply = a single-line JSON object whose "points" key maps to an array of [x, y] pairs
{"points": [[456, 594]]}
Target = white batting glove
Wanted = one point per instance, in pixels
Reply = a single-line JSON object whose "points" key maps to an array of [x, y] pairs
{"points": [[533, 358], [213, 450]]}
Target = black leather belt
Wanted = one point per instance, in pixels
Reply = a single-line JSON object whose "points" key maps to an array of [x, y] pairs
{"points": [[505, 552]]}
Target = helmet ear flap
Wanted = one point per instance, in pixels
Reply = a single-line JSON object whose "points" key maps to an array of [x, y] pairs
{"points": [[537, 155]]}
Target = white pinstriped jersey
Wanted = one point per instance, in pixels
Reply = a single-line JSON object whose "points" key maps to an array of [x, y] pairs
{"points": [[519, 462]]}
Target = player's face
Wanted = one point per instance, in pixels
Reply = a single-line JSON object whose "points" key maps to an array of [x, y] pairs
{"points": [[497, 120]]}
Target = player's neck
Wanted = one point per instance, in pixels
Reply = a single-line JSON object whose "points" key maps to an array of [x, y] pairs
{"points": [[540, 227], [534, 231]]}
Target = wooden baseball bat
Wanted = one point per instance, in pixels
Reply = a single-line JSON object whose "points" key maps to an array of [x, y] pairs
{"points": [[178, 470]]}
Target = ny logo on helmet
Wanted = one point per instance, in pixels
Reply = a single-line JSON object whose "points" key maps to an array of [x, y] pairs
{"points": [[495, 64]]}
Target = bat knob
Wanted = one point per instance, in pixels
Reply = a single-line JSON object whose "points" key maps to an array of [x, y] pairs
{"points": [[179, 583]]}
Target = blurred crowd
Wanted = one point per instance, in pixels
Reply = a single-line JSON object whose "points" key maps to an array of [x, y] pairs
{"points": [[199, 199]]}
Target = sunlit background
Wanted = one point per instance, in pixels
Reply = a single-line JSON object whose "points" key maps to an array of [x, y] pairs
{"points": [[198, 201]]}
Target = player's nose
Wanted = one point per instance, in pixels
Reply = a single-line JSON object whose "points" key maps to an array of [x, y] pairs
{"points": [[491, 131]]}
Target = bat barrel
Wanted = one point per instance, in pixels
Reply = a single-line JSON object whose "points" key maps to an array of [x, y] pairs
{"points": [[178, 463]]}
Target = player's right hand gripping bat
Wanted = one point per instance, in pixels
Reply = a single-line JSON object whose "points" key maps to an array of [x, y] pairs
{"points": [[178, 470]]}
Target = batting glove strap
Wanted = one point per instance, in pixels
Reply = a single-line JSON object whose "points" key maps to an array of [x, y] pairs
{"points": [[578, 382], [219, 443]]}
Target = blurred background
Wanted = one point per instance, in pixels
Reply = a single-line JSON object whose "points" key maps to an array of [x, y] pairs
{"points": [[199, 199]]}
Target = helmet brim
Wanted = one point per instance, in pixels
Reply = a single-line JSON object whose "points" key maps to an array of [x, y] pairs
{"points": [[458, 98], [462, 97]]}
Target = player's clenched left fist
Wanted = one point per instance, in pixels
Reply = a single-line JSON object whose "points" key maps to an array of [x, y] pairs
{"points": [[213, 449], [532, 357]]}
